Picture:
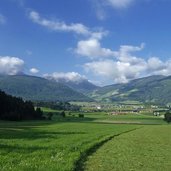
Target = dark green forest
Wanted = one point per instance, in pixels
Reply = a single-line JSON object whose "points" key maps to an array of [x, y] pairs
{"points": [[16, 109]]}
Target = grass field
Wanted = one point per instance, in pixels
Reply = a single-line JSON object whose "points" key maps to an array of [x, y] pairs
{"points": [[50, 146], [128, 118], [64, 144], [46, 110], [144, 149]]}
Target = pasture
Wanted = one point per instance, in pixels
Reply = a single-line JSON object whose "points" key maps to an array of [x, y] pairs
{"points": [[66, 144], [147, 148], [50, 146]]}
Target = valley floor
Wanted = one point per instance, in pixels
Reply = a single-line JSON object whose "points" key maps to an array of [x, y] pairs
{"points": [[90, 143], [144, 149]]}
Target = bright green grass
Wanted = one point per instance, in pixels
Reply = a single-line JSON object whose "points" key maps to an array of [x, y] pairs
{"points": [[46, 110], [58, 145], [103, 117], [50, 145], [144, 149], [128, 118]]}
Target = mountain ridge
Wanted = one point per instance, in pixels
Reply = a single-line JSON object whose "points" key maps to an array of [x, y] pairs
{"points": [[83, 86], [151, 89], [38, 89]]}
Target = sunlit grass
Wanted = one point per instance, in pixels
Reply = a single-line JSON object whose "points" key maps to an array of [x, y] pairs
{"points": [[49, 146], [59, 144], [147, 148]]}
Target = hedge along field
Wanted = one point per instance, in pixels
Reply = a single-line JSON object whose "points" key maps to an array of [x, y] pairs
{"points": [[50, 145], [144, 149]]}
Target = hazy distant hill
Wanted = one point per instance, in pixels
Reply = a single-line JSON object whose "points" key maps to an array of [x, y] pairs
{"points": [[83, 86], [37, 88], [155, 89]]}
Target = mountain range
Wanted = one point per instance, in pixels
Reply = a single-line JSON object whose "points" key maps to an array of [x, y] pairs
{"points": [[152, 89], [83, 86], [39, 89]]}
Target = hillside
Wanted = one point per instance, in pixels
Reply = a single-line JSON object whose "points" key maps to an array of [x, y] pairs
{"points": [[154, 89], [39, 89], [82, 86]]}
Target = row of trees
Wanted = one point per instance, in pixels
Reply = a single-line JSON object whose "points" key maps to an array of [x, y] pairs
{"points": [[59, 106], [15, 109]]}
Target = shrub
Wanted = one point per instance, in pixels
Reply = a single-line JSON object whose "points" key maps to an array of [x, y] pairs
{"points": [[167, 116], [81, 115], [49, 115], [63, 114]]}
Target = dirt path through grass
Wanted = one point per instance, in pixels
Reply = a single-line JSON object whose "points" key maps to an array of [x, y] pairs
{"points": [[145, 149]]}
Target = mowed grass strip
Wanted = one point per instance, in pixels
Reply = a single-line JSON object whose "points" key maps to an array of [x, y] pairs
{"points": [[50, 145], [145, 149]]}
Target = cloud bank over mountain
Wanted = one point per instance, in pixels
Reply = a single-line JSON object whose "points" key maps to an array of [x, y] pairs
{"points": [[69, 76], [11, 65]]}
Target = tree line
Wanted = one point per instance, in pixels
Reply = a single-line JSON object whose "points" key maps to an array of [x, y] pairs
{"points": [[59, 105], [16, 109]]}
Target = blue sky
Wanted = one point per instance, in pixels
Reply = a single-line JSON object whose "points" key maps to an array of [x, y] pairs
{"points": [[104, 41]]}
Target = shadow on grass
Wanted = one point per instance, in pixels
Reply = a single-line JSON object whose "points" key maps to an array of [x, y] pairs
{"points": [[150, 118], [19, 149], [75, 119], [31, 134], [31, 130]]}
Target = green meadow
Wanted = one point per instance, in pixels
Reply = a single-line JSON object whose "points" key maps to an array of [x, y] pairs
{"points": [[96, 142], [144, 149]]}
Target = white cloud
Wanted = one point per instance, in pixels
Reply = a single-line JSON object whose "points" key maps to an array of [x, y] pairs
{"points": [[55, 25], [11, 65], [34, 70], [124, 53], [125, 66], [92, 48], [58, 26], [158, 67], [119, 72], [118, 65], [2, 19], [69, 76], [155, 64]]}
